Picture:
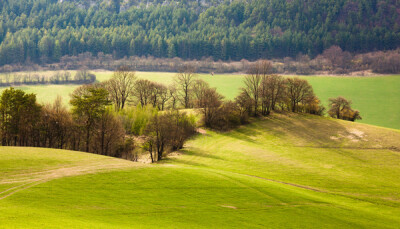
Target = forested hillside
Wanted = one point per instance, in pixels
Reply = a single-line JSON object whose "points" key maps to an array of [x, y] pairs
{"points": [[43, 31]]}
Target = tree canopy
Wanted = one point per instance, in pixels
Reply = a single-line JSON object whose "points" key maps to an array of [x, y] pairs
{"points": [[43, 31]]}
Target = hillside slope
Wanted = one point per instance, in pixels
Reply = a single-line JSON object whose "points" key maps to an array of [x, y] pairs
{"points": [[329, 155], [280, 172]]}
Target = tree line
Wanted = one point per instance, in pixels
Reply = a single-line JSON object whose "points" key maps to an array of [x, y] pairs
{"points": [[43, 31], [83, 76], [123, 114], [333, 60], [262, 94]]}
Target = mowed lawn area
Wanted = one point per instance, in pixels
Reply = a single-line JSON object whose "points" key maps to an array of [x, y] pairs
{"points": [[377, 98], [295, 171]]}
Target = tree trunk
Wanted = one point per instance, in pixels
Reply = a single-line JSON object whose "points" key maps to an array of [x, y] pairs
{"points": [[87, 138]]}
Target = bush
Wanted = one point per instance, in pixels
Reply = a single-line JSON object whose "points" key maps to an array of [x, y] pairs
{"points": [[136, 118]]}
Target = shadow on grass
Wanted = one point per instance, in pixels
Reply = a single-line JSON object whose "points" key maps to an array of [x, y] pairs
{"points": [[194, 151], [246, 133], [303, 130]]}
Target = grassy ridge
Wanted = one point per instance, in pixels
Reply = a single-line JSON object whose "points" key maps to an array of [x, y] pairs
{"points": [[377, 98], [284, 171]]}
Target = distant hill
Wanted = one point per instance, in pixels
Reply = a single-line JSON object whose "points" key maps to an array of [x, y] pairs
{"points": [[42, 31]]}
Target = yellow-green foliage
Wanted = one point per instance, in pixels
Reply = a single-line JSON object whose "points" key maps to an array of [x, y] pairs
{"points": [[135, 118]]}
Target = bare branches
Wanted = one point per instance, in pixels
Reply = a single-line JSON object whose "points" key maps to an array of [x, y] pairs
{"points": [[184, 81], [120, 86], [253, 79], [297, 91]]}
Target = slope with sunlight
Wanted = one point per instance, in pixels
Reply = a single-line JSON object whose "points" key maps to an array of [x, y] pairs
{"points": [[283, 171]]}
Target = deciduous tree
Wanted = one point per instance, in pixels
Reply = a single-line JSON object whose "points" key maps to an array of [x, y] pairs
{"points": [[340, 108], [121, 86], [88, 105], [298, 90], [184, 81]]}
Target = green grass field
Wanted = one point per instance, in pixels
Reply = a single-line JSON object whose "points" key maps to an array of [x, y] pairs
{"points": [[295, 171], [377, 98]]}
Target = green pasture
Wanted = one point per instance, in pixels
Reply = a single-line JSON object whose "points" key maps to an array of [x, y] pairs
{"points": [[274, 173], [377, 98]]}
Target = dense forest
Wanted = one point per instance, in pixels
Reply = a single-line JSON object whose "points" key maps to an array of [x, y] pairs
{"points": [[43, 31]]}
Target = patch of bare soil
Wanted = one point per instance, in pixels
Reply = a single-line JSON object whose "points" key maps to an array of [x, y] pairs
{"points": [[353, 135], [201, 131], [227, 206]]}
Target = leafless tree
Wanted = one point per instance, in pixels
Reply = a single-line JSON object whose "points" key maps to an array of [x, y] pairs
{"points": [[184, 81], [210, 102], [163, 95], [109, 135], [120, 86], [297, 91], [272, 90], [143, 91], [56, 124], [168, 131], [173, 94], [338, 57], [199, 92], [253, 80], [244, 105]]}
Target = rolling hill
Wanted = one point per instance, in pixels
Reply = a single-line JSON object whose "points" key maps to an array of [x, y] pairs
{"points": [[279, 172]]}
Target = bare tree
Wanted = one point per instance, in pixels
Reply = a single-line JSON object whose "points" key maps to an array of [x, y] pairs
{"points": [[163, 96], [211, 102], [155, 89], [297, 91], [173, 95], [120, 86], [272, 90], [199, 92], [244, 103], [109, 135], [143, 91], [56, 124], [184, 80], [253, 80], [338, 57], [168, 131], [82, 74]]}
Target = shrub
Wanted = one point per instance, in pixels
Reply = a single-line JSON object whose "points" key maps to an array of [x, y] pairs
{"points": [[136, 118]]}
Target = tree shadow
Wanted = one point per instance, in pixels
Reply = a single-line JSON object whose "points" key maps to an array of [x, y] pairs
{"points": [[247, 133], [195, 151], [304, 130]]}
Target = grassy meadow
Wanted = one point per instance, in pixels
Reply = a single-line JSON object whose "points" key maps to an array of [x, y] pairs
{"points": [[295, 171], [377, 98]]}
